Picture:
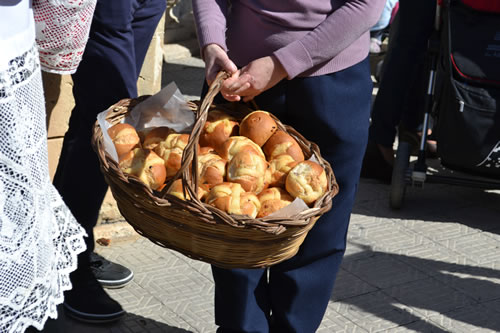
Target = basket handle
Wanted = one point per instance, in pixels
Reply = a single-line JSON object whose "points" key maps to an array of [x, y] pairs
{"points": [[190, 153]]}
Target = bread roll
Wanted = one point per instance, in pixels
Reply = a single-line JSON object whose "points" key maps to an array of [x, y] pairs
{"points": [[271, 206], [217, 129], [171, 150], [282, 143], [154, 136], [235, 144], [211, 167], [232, 198], [145, 164], [177, 190], [273, 199], [273, 193], [307, 181], [124, 137], [279, 167], [250, 170], [258, 126]]}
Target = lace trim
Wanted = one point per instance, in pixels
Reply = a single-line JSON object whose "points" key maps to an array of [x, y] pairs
{"points": [[39, 237], [19, 70]]}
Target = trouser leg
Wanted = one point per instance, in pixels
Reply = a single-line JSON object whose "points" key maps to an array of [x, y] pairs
{"points": [[120, 35], [402, 68], [332, 111]]}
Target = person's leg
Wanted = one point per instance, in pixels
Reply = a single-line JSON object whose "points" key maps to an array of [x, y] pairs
{"points": [[333, 111], [146, 18], [241, 301], [337, 119], [407, 49], [106, 74], [407, 52]]}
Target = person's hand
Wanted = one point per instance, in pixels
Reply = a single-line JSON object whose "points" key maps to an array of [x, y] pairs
{"points": [[256, 77], [216, 60]]}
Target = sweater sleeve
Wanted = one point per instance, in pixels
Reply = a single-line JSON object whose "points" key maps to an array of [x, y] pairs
{"points": [[339, 30], [210, 20]]}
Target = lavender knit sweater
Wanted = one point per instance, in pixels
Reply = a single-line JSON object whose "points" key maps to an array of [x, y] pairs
{"points": [[309, 37]]}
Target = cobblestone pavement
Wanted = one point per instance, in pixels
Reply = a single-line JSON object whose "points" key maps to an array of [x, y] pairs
{"points": [[433, 266]]}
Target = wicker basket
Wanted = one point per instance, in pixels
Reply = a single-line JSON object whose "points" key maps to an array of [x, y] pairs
{"points": [[198, 230]]}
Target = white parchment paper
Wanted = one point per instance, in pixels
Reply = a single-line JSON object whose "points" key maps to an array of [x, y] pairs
{"points": [[168, 108]]}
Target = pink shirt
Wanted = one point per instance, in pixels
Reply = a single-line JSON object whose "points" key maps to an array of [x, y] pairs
{"points": [[309, 37]]}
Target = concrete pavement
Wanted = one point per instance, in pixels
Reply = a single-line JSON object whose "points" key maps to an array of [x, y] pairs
{"points": [[433, 266]]}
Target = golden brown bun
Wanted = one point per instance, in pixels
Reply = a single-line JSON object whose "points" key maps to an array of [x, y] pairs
{"points": [[217, 129], [177, 190], [282, 143], [258, 126], [271, 206], [232, 198], [235, 144], [171, 150], [307, 180], [273, 199], [145, 164], [206, 150], [279, 167], [154, 136], [250, 170], [211, 167], [273, 193], [124, 137]]}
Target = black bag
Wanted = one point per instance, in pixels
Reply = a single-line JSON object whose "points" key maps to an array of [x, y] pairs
{"points": [[468, 103]]}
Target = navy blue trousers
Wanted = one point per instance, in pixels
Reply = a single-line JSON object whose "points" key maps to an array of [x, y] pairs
{"points": [[400, 97], [120, 35], [333, 111]]}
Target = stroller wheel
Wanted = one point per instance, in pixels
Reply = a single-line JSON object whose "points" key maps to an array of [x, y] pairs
{"points": [[399, 172]]}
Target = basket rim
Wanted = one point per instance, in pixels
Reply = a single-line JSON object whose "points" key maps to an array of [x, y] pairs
{"points": [[274, 225]]}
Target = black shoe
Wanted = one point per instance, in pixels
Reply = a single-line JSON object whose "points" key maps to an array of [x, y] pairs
{"points": [[375, 166], [109, 274], [88, 302]]}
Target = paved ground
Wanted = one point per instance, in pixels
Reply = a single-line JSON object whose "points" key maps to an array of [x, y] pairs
{"points": [[433, 266]]}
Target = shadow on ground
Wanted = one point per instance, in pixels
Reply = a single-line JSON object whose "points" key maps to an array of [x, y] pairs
{"points": [[131, 323], [405, 289]]}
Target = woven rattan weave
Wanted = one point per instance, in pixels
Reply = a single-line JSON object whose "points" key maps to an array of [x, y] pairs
{"points": [[198, 230]]}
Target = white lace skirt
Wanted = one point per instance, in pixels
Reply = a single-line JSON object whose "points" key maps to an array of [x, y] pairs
{"points": [[39, 238]]}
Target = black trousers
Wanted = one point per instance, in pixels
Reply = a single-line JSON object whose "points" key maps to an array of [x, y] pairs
{"points": [[401, 93], [119, 38]]}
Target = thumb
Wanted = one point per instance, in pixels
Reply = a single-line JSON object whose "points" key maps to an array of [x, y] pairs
{"points": [[227, 65]]}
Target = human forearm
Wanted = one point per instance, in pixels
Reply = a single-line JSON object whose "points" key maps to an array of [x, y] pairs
{"points": [[210, 20]]}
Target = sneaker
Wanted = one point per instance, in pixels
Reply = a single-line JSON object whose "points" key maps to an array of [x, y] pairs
{"points": [[109, 274], [88, 302]]}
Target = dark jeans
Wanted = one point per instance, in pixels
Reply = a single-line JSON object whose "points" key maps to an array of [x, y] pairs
{"points": [[120, 35], [333, 111], [400, 97]]}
